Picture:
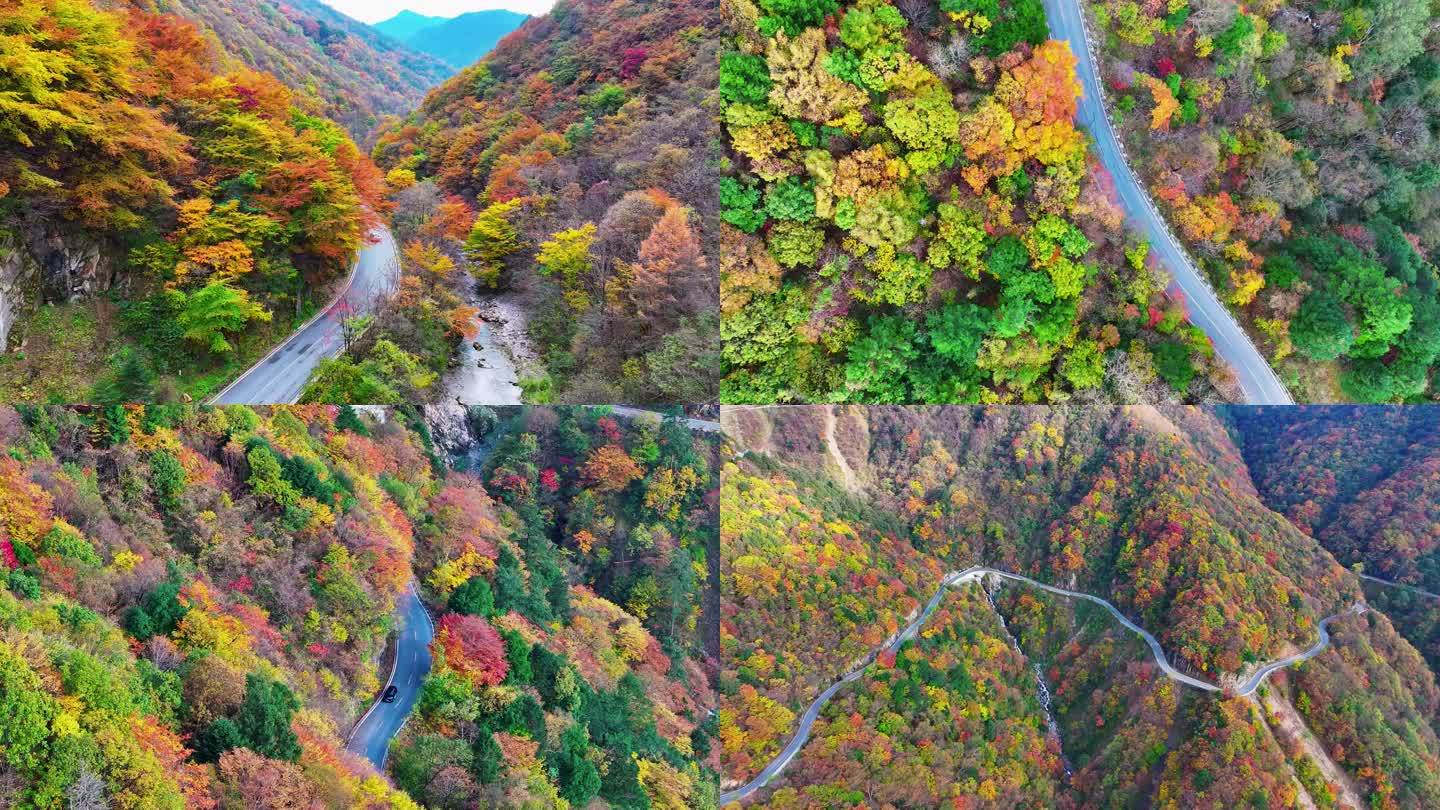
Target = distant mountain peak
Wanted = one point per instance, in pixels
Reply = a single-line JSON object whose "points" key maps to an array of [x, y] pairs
{"points": [[458, 41], [406, 24]]}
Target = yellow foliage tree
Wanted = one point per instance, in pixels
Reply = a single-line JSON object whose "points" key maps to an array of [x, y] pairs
{"points": [[1165, 103]]}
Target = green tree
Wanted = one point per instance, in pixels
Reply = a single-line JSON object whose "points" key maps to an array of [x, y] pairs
{"points": [[1320, 329], [486, 759], [509, 582], [167, 479], [473, 598], [744, 78], [28, 711], [740, 205], [880, 361], [219, 737], [1083, 366], [267, 476], [264, 718], [790, 198], [957, 330], [794, 16], [157, 614], [517, 652], [416, 763], [579, 779], [132, 381], [1172, 361], [349, 419], [1282, 271], [215, 309], [1395, 35]]}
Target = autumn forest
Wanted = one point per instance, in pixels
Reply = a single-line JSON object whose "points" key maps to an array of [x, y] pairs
{"points": [[1280, 559], [719, 404]]}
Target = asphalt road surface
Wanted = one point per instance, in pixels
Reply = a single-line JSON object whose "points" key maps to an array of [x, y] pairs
{"points": [[802, 731], [693, 424], [372, 735], [280, 376], [1257, 380], [1401, 585]]}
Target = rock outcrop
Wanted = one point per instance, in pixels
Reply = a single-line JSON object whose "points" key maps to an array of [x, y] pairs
{"points": [[45, 263]]}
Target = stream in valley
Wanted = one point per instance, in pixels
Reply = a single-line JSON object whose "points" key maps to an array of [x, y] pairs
{"points": [[485, 373]]}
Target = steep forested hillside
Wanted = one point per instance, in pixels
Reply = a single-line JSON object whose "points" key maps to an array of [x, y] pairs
{"points": [[172, 213], [1292, 144], [575, 167], [570, 657], [196, 603], [912, 216], [1364, 481], [848, 513], [356, 76], [965, 680]]}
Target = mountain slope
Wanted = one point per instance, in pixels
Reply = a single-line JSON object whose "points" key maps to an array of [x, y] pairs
{"points": [[567, 573], [195, 602], [1364, 481], [164, 210], [356, 75], [461, 41], [582, 149], [1290, 145], [1152, 509], [195, 605]]}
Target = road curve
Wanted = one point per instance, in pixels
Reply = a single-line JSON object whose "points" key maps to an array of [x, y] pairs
{"points": [[812, 712], [1401, 585], [372, 734], [693, 424], [1256, 378], [281, 375]]}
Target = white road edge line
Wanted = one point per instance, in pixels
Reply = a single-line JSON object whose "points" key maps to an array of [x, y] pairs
{"points": [[394, 665], [325, 310]]}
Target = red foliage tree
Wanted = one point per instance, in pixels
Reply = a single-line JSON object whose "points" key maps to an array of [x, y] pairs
{"points": [[472, 648]]}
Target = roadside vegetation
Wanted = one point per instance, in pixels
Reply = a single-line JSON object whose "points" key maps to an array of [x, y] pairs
{"points": [[1291, 145], [911, 216], [180, 217]]}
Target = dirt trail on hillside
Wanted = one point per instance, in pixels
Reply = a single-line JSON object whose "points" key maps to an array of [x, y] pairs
{"points": [[847, 475], [1280, 711]]}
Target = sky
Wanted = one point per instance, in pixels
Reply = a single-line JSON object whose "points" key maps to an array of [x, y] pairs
{"points": [[373, 11]]}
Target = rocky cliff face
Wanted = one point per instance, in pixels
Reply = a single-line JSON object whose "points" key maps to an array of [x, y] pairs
{"points": [[44, 263], [17, 269]]}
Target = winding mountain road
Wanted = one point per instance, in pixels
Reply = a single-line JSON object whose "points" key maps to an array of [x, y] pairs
{"points": [[1401, 585], [703, 425], [371, 736], [281, 375], [373, 733], [807, 719], [1256, 378]]}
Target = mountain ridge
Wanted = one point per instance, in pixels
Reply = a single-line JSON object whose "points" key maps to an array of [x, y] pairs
{"points": [[406, 23], [458, 41], [357, 74]]}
